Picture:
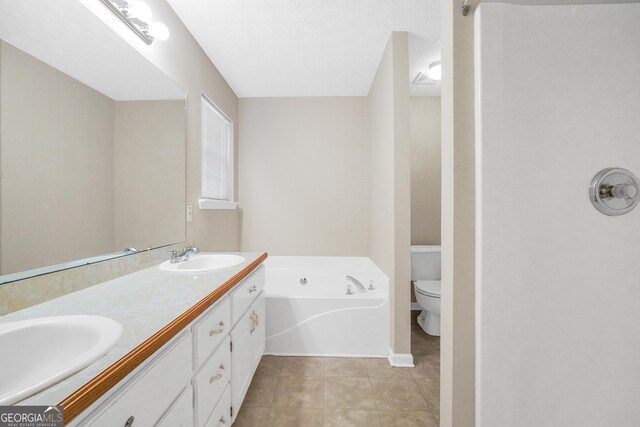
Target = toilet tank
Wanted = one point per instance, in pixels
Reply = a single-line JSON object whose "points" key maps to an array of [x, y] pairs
{"points": [[425, 262]]}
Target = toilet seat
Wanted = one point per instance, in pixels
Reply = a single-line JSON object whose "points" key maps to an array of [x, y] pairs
{"points": [[430, 288]]}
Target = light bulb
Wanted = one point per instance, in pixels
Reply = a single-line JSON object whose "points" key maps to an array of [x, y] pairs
{"points": [[139, 10], [159, 31], [435, 71]]}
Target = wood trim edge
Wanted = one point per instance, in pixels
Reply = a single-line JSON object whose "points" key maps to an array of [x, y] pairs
{"points": [[86, 395]]}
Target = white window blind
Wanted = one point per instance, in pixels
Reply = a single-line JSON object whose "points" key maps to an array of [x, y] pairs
{"points": [[217, 153]]}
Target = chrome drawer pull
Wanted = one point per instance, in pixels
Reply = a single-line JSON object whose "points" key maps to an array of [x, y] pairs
{"points": [[129, 422], [253, 289], [217, 376], [217, 331]]}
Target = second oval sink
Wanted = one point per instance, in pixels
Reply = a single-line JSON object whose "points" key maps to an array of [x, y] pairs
{"points": [[39, 352], [202, 263]]}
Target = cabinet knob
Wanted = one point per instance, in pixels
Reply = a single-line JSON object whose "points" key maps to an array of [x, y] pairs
{"points": [[223, 420], [217, 331], [218, 375], [129, 422], [253, 289]]}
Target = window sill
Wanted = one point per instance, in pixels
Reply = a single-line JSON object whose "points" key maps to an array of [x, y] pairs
{"points": [[216, 204]]}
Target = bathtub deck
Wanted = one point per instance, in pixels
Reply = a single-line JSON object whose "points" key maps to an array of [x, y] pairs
{"points": [[316, 391]]}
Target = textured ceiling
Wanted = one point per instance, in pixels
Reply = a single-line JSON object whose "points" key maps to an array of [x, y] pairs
{"points": [[69, 37], [310, 47]]}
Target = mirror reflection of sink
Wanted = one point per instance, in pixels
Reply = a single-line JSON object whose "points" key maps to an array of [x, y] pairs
{"points": [[203, 262], [39, 352]]}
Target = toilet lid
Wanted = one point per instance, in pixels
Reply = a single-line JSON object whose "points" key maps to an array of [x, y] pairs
{"points": [[428, 287]]}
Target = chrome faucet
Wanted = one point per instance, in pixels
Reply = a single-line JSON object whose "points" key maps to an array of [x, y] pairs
{"points": [[183, 255], [357, 284]]}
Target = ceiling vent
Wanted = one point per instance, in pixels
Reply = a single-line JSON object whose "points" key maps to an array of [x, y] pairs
{"points": [[423, 80]]}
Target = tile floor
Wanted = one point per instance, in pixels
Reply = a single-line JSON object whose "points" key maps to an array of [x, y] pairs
{"points": [[344, 392]]}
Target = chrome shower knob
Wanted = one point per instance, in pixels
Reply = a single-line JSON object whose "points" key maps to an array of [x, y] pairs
{"points": [[624, 191], [614, 191]]}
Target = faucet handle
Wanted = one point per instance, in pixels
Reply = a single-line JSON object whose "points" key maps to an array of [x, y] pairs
{"points": [[174, 256]]}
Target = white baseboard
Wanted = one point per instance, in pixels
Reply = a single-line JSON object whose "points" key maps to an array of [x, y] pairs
{"points": [[374, 356], [400, 360], [415, 306]]}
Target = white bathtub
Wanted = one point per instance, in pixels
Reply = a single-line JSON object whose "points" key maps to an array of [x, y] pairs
{"points": [[319, 318]]}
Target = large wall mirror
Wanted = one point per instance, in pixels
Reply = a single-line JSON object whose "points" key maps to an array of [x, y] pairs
{"points": [[92, 143]]}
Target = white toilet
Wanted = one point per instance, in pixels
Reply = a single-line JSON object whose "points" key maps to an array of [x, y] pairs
{"points": [[425, 276]]}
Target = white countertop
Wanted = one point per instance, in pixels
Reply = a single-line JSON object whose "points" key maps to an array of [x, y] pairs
{"points": [[143, 302]]}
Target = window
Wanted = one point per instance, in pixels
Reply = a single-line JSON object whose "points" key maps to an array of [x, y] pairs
{"points": [[217, 158]]}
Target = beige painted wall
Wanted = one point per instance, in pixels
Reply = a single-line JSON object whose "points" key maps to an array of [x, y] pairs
{"points": [[390, 232], [184, 61], [149, 176], [457, 372], [304, 172], [44, 149], [425, 170]]}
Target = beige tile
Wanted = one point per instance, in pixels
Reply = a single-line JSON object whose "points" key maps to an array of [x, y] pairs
{"points": [[344, 367], [406, 419], [426, 367], [302, 367], [397, 394], [436, 415], [299, 392], [430, 390], [261, 391], [341, 417], [270, 366], [252, 417], [348, 392], [425, 349], [380, 368], [295, 417]]}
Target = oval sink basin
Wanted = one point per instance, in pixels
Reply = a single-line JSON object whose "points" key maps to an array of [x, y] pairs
{"points": [[39, 352], [202, 263]]}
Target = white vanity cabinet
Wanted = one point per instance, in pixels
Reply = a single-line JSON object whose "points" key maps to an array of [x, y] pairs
{"points": [[248, 337], [200, 377]]}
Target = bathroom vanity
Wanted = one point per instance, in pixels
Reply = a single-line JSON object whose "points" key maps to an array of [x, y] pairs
{"points": [[201, 376], [190, 347]]}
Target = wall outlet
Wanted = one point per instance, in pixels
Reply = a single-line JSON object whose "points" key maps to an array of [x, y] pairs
{"points": [[189, 213]]}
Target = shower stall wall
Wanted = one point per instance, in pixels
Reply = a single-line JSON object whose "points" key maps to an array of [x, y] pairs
{"points": [[558, 282]]}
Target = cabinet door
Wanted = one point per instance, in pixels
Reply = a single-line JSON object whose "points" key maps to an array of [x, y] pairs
{"points": [[211, 330], [258, 334], [246, 292], [211, 382], [241, 360], [220, 416], [148, 395], [181, 413]]}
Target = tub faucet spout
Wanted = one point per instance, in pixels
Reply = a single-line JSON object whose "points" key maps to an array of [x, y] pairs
{"points": [[357, 284]]}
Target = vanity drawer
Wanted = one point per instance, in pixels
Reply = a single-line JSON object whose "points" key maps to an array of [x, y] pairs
{"points": [[211, 382], [150, 393], [243, 296], [211, 331], [221, 416], [181, 413]]}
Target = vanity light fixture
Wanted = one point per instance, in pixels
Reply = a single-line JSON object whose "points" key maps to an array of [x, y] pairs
{"points": [[137, 15], [435, 71]]}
